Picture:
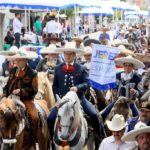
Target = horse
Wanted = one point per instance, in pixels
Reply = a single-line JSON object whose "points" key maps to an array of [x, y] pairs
{"points": [[122, 107], [14, 123], [70, 126], [45, 90], [96, 98]]}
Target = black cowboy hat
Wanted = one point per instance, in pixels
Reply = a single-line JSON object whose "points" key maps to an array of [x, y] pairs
{"points": [[88, 42]]}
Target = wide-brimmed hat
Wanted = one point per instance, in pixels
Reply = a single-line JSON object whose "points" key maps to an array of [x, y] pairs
{"points": [[22, 53], [142, 57], [139, 128], [130, 29], [77, 39], [117, 123], [125, 51], [87, 50], [129, 59], [104, 29], [12, 51], [88, 42], [145, 105], [70, 47], [53, 37], [51, 49]]}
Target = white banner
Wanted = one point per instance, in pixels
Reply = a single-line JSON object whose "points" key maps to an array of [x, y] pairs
{"points": [[103, 72]]}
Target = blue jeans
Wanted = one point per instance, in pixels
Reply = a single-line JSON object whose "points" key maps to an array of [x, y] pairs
{"points": [[17, 39], [89, 109]]}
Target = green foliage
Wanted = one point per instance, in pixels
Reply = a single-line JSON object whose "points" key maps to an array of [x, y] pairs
{"points": [[69, 12]]}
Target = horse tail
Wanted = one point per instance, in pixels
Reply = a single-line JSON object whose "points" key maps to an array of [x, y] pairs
{"points": [[8, 117]]}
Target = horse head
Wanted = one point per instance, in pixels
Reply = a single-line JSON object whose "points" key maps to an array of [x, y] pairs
{"points": [[44, 89], [69, 113], [11, 120], [121, 106]]}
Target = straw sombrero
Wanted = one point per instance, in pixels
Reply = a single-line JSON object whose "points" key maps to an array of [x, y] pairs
{"points": [[117, 123], [138, 129], [12, 51], [129, 59], [77, 39], [87, 50], [104, 29], [125, 51], [142, 57], [22, 53], [70, 47], [51, 49]]}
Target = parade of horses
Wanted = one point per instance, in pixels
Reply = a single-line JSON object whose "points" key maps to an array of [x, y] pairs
{"points": [[74, 75]]}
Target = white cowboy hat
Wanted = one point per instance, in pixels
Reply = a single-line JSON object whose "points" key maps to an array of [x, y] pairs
{"points": [[51, 49], [24, 54], [129, 59], [87, 50], [117, 123], [70, 47], [138, 129], [125, 51], [12, 51]]}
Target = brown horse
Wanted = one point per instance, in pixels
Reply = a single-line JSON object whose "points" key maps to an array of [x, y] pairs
{"points": [[13, 123], [45, 90]]}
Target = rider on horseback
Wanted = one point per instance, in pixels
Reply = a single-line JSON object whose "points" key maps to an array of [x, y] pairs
{"points": [[71, 76], [23, 83]]}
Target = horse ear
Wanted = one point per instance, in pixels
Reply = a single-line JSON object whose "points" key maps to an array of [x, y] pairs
{"points": [[58, 99]]}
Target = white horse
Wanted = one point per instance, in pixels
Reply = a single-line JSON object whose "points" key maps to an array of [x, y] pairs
{"points": [[70, 126]]}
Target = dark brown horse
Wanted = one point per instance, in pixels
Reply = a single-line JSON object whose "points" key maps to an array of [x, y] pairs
{"points": [[13, 124]]}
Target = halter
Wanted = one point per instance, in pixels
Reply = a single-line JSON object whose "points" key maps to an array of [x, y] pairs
{"points": [[77, 128]]}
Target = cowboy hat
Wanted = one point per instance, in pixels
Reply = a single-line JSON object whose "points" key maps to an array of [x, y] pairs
{"points": [[138, 129], [129, 59], [77, 39], [88, 42], [104, 29], [12, 51], [53, 36], [51, 49], [125, 51], [142, 57], [87, 50], [117, 123], [22, 53], [70, 47], [145, 105]]}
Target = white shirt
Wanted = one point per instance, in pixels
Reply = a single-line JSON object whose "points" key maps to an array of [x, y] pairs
{"points": [[17, 25], [52, 27], [109, 144]]}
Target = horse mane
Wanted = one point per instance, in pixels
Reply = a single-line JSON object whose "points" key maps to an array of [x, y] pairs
{"points": [[42, 76]]}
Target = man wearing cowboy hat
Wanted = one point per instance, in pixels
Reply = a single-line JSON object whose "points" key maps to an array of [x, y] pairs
{"points": [[140, 134], [104, 37], [117, 126], [128, 80], [8, 64], [50, 61], [23, 82], [144, 116], [71, 76]]}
